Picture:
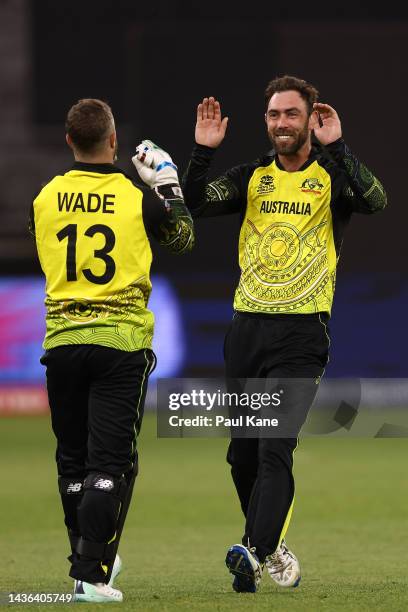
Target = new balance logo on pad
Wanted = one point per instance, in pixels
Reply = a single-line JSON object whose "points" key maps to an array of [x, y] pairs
{"points": [[74, 487], [103, 483]]}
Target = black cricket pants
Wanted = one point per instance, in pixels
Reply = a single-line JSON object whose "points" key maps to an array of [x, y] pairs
{"points": [[96, 396], [272, 346]]}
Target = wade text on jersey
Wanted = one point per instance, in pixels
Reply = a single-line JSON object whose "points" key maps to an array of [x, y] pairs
{"points": [[86, 202]]}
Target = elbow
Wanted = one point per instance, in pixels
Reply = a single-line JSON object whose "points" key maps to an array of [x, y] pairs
{"points": [[379, 206], [378, 200], [187, 246], [372, 205], [190, 244], [182, 245], [385, 202]]}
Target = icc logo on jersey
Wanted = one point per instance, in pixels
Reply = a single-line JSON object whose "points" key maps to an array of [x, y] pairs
{"points": [[266, 184]]}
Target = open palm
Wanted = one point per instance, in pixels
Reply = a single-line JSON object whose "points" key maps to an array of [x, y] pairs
{"points": [[210, 128], [330, 129]]}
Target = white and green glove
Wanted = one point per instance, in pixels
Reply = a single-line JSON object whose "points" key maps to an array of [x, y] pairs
{"points": [[156, 168]]}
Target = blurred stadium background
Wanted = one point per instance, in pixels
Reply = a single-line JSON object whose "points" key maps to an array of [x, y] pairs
{"points": [[153, 62]]}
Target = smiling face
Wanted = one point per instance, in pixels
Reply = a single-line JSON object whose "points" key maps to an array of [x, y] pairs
{"points": [[288, 122]]}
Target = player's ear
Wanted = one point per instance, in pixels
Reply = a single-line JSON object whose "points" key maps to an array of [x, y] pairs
{"points": [[69, 142], [112, 140], [266, 118]]}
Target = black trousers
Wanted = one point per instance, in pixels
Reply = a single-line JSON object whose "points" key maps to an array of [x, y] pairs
{"points": [[272, 346], [96, 396]]}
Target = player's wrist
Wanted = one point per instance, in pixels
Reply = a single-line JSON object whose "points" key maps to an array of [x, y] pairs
{"points": [[169, 191], [203, 151], [207, 143], [206, 146], [337, 148]]}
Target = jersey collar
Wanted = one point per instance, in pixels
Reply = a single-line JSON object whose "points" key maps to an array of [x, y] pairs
{"points": [[98, 168], [312, 156]]}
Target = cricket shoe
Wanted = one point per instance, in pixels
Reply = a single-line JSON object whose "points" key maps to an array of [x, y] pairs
{"points": [[244, 565], [283, 567], [97, 592], [117, 567]]}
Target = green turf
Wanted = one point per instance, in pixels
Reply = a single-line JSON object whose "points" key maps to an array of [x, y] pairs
{"points": [[349, 528]]}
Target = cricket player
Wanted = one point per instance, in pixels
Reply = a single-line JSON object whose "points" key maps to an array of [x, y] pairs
{"points": [[294, 204], [92, 226]]}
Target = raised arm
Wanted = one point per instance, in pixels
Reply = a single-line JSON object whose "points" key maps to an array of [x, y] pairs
{"points": [[362, 190], [164, 212], [223, 195]]}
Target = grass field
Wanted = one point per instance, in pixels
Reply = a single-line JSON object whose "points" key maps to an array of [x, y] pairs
{"points": [[349, 528]]}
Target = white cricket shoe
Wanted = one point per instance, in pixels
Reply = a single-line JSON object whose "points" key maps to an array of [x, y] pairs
{"points": [[283, 567], [117, 567], [96, 593], [99, 592]]}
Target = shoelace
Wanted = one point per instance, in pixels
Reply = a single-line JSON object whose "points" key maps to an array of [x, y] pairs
{"points": [[277, 562]]}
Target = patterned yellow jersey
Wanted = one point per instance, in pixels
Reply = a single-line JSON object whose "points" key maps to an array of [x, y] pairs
{"points": [[292, 223], [90, 226]]}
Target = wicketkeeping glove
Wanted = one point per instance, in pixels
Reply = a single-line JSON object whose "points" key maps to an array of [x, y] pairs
{"points": [[155, 166]]}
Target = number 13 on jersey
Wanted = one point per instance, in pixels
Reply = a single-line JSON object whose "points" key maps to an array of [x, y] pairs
{"points": [[70, 232]]}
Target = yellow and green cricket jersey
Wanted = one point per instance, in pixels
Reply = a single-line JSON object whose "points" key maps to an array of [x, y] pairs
{"points": [[292, 223], [90, 230]]}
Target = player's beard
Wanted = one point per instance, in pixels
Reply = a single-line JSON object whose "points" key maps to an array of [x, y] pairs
{"points": [[292, 146]]}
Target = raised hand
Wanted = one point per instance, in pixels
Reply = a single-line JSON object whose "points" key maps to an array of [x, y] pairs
{"points": [[331, 128], [210, 128]]}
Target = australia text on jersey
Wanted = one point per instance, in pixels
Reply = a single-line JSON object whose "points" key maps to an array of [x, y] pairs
{"points": [[286, 208]]}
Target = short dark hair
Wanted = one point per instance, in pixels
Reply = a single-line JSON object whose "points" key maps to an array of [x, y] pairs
{"points": [[290, 83], [89, 122]]}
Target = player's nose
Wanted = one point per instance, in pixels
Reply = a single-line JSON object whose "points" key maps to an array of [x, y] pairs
{"points": [[282, 122]]}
